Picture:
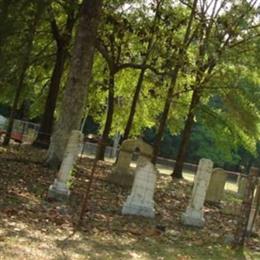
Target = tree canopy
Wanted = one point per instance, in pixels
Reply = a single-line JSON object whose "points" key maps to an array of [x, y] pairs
{"points": [[156, 65]]}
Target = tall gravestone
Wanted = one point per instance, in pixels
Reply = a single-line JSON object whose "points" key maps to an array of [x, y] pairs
{"points": [[59, 189], [140, 202], [122, 173], [216, 186], [193, 215]]}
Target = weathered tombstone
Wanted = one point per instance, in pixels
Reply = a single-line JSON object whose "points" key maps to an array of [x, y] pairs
{"points": [[216, 186], [242, 183], [140, 202], [59, 189], [121, 172], [194, 212]]}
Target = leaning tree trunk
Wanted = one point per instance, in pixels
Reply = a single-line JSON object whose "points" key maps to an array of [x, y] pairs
{"points": [[100, 155], [78, 81], [24, 67], [43, 137], [177, 173], [133, 106]]}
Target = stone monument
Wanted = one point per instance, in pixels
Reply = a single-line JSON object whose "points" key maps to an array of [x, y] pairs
{"points": [[121, 172], [194, 212], [140, 202], [216, 186], [242, 183], [59, 189]]}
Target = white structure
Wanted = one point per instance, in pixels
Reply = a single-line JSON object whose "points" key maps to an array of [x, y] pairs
{"points": [[140, 201], [194, 212], [59, 189]]}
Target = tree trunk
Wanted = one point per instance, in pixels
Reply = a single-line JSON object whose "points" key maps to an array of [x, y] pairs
{"points": [[100, 154], [180, 56], [78, 81], [164, 116], [141, 75], [24, 67], [14, 107], [62, 41], [177, 173], [4, 10], [43, 138], [133, 106]]}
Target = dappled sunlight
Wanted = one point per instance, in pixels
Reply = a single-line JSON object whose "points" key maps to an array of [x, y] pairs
{"points": [[31, 227]]}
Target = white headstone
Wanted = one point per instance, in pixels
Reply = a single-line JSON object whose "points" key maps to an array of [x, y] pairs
{"points": [[59, 189], [140, 201], [194, 213]]}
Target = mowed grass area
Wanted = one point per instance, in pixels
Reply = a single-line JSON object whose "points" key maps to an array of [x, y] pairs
{"points": [[32, 227]]}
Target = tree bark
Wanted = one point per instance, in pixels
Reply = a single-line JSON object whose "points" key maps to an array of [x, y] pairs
{"points": [[177, 173], [4, 11], [100, 154], [78, 81], [43, 137], [62, 42], [133, 106], [24, 67]]}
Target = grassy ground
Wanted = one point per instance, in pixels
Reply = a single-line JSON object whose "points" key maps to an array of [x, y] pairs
{"points": [[32, 227]]}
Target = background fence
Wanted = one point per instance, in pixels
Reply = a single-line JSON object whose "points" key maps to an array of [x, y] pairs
{"points": [[28, 132]]}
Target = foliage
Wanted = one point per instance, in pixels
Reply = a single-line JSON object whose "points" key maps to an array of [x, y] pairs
{"points": [[126, 29]]}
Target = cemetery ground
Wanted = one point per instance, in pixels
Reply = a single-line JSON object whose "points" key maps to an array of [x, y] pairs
{"points": [[32, 227]]}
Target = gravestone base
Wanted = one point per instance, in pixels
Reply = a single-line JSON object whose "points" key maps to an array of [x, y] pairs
{"points": [[193, 218], [131, 208], [58, 191]]}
